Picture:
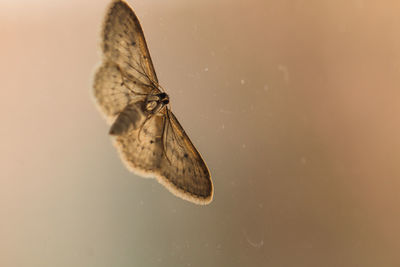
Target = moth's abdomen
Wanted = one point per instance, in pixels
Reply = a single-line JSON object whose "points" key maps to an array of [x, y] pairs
{"points": [[131, 118]]}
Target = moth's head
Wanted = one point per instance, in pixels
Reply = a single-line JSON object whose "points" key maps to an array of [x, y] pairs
{"points": [[163, 97]]}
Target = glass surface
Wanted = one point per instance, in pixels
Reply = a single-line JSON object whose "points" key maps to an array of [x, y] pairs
{"points": [[294, 106]]}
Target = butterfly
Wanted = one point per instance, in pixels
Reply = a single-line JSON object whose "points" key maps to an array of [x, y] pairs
{"points": [[150, 140]]}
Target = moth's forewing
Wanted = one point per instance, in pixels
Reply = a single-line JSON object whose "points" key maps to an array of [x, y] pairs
{"points": [[182, 166], [124, 43]]}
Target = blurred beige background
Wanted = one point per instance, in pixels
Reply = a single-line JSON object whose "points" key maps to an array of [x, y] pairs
{"points": [[293, 104]]}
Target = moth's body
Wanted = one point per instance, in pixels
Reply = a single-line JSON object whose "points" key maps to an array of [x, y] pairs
{"points": [[135, 113], [148, 136]]}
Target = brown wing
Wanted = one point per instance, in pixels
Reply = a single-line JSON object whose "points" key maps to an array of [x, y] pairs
{"points": [[161, 149], [182, 169], [141, 148], [113, 91], [124, 43]]}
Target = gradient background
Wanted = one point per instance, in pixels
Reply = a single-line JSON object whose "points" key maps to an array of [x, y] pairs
{"points": [[293, 104]]}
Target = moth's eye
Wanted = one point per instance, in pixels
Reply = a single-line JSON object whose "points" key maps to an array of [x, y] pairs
{"points": [[166, 101], [162, 95]]}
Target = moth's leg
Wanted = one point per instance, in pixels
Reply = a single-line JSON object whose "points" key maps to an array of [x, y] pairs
{"points": [[143, 72], [154, 83], [173, 131], [123, 77], [164, 136], [145, 121]]}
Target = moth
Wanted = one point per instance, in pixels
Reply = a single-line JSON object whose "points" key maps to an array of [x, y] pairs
{"points": [[150, 140]]}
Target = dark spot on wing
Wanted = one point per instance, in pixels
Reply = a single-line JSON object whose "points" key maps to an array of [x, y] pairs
{"points": [[151, 141], [186, 155], [133, 43]]}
